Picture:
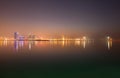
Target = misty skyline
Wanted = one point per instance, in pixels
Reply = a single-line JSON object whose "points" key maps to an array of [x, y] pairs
{"points": [[59, 17]]}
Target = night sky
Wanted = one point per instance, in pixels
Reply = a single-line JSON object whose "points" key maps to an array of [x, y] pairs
{"points": [[57, 17]]}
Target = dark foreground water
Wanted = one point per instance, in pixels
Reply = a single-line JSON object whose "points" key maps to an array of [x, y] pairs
{"points": [[59, 59]]}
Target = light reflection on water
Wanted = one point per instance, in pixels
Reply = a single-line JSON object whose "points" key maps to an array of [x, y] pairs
{"points": [[109, 44], [79, 55], [30, 44]]}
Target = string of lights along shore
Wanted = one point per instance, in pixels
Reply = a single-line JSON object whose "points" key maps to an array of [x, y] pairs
{"points": [[31, 37]]}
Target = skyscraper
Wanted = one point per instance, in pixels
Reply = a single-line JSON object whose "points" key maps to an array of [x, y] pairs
{"points": [[16, 35]]}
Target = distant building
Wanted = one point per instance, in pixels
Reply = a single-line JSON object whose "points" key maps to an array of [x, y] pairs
{"points": [[31, 37], [16, 35], [21, 38]]}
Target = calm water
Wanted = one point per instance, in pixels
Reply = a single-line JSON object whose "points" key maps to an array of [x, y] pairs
{"points": [[35, 59]]}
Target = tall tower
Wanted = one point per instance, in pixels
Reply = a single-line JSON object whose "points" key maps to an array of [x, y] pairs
{"points": [[16, 35]]}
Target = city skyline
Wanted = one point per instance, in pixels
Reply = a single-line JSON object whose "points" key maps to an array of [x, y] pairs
{"points": [[59, 38], [60, 17]]}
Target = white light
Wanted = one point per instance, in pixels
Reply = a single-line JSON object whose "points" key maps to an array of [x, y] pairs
{"points": [[84, 38], [108, 37]]}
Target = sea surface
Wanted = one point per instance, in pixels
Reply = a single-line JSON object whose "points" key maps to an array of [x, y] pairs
{"points": [[60, 59]]}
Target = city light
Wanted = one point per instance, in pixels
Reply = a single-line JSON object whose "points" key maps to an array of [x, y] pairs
{"points": [[22, 41], [109, 38], [84, 38], [77, 39], [63, 38], [109, 42]]}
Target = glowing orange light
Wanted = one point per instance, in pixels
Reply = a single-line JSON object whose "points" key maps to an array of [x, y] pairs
{"points": [[84, 38], [63, 38]]}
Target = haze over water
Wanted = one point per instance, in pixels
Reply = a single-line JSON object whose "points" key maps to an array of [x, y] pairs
{"points": [[53, 38], [38, 58]]}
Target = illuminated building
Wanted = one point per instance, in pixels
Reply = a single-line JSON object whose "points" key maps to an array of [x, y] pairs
{"points": [[31, 37], [16, 35], [21, 38]]}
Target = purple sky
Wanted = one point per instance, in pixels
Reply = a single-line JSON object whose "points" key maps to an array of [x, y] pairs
{"points": [[55, 17]]}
